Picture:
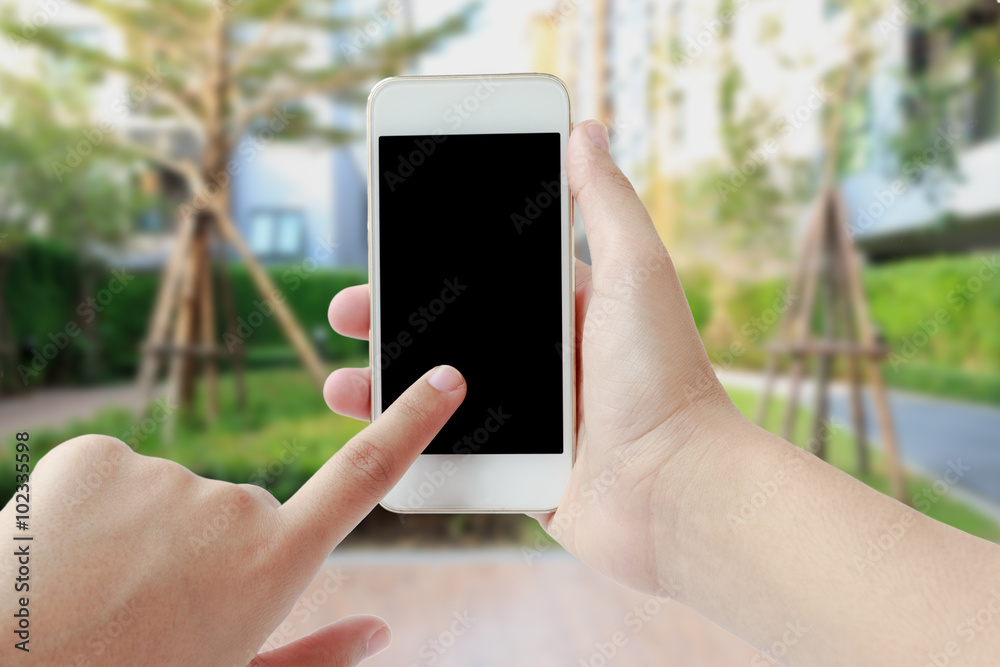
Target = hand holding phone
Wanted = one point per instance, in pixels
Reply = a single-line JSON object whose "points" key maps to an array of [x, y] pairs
{"points": [[651, 409]]}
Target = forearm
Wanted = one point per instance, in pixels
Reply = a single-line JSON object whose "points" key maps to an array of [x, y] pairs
{"points": [[814, 567]]}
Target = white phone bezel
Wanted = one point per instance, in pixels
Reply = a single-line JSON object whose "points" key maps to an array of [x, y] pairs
{"points": [[488, 104]]}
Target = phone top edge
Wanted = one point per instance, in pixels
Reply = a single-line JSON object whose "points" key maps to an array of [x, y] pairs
{"points": [[388, 81]]}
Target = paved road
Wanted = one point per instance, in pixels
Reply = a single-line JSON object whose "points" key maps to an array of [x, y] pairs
{"points": [[493, 609], [930, 431], [54, 408]]}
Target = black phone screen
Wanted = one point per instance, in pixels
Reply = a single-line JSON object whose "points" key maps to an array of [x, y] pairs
{"points": [[470, 261]]}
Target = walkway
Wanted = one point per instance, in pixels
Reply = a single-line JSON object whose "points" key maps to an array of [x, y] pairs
{"points": [[930, 431], [55, 408], [494, 609]]}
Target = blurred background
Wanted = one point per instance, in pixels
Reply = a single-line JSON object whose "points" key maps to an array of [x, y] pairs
{"points": [[182, 191]]}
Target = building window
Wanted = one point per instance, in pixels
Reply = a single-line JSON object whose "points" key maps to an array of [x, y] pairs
{"points": [[277, 234], [958, 53]]}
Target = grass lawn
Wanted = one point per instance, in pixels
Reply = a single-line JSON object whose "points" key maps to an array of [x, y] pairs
{"points": [[841, 453], [287, 433]]}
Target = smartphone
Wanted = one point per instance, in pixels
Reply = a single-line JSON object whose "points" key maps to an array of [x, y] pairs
{"points": [[471, 264]]}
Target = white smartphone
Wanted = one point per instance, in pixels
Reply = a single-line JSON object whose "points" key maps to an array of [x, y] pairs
{"points": [[471, 264]]}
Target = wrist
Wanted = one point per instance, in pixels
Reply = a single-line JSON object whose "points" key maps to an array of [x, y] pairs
{"points": [[712, 489]]}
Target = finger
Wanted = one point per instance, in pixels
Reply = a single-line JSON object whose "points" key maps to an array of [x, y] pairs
{"points": [[350, 313], [348, 392], [351, 483], [616, 222], [346, 642]]}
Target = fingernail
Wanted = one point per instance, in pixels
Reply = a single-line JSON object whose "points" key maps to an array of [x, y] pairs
{"points": [[598, 135], [379, 641], [446, 378]]}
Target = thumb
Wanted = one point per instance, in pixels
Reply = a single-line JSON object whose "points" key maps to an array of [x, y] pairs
{"points": [[619, 230], [342, 644]]}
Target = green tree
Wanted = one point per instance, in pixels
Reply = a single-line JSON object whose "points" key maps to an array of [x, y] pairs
{"points": [[219, 70]]}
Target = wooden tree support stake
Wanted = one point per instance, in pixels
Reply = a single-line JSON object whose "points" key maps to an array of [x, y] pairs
{"points": [[828, 268]]}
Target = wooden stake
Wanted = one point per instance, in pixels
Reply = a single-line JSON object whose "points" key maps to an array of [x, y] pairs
{"points": [[881, 399], [183, 327], [236, 354], [165, 303], [850, 334], [207, 321], [798, 285], [800, 328], [825, 357], [267, 289]]}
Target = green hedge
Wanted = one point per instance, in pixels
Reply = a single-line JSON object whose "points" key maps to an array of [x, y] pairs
{"points": [[955, 298], [940, 317], [946, 301], [48, 306]]}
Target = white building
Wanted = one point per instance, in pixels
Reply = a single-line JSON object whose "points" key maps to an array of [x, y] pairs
{"points": [[657, 87], [291, 199]]}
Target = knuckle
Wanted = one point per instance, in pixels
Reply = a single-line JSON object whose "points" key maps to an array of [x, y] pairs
{"points": [[88, 448], [616, 179], [369, 461], [254, 495], [238, 496], [234, 499], [416, 414]]}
